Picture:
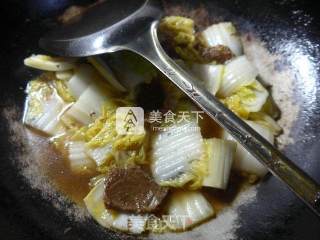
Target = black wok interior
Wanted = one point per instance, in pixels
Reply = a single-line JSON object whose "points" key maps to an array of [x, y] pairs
{"points": [[275, 214]]}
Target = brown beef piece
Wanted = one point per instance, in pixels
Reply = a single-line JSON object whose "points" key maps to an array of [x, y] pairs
{"points": [[132, 190], [218, 53]]}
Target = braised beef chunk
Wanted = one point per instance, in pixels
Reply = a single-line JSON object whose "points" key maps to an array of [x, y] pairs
{"points": [[132, 190], [218, 53]]}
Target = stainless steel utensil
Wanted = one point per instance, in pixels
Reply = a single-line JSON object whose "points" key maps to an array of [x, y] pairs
{"points": [[107, 28]]}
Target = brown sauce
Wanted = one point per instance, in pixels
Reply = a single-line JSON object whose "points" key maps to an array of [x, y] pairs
{"points": [[76, 187], [55, 166], [221, 199], [209, 128]]}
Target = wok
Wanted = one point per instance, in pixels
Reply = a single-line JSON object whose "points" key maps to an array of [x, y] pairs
{"points": [[289, 29]]}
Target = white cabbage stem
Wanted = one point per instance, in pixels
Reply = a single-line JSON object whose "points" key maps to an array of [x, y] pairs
{"points": [[238, 72], [220, 159], [186, 209], [223, 34], [48, 63]]}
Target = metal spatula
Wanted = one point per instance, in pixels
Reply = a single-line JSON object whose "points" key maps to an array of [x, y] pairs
{"points": [[132, 25]]}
